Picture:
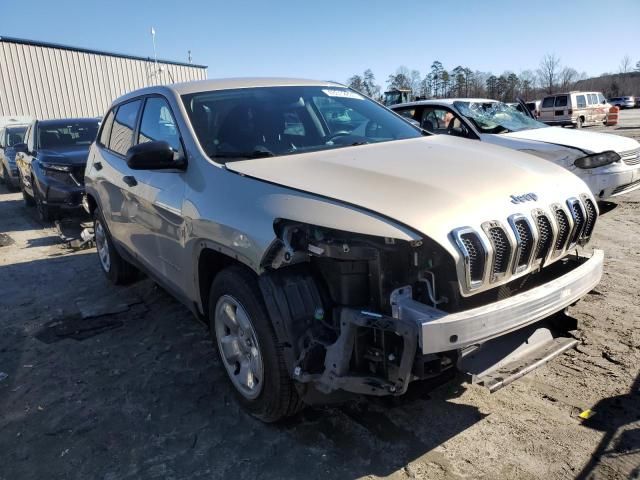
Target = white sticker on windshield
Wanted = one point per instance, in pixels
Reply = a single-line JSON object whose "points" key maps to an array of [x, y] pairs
{"points": [[342, 94]]}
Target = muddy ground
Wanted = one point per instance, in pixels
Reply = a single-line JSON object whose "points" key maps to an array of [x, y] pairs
{"points": [[137, 391]]}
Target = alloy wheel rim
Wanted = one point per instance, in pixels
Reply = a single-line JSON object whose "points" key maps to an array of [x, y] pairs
{"points": [[239, 347], [102, 246]]}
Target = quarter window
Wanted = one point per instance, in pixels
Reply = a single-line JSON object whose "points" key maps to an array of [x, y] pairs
{"points": [[123, 126], [105, 133], [158, 124], [581, 101]]}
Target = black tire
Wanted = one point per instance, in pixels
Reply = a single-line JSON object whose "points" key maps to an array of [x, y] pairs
{"points": [[4, 175], [579, 123], [28, 199], [45, 213], [278, 397], [118, 270]]}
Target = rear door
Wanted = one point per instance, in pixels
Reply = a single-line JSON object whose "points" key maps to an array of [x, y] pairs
{"points": [[547, 109], [113, 178], [561, 108]]}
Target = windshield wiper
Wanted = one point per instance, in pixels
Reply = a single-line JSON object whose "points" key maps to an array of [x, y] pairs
{"points": [[243, 155]]}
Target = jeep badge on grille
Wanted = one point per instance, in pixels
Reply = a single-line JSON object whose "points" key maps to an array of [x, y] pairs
{"points": [[527, 197]]}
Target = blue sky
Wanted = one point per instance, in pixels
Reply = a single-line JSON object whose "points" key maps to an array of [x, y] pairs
{"points": [[334, 39]]}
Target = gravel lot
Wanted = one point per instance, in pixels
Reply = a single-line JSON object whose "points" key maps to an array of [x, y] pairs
{"points": [[137, 391]]}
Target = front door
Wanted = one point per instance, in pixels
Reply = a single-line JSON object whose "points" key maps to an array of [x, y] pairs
{"points": [[155, 200]]}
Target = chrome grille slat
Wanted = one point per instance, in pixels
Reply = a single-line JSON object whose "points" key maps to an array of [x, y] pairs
{"points": [[502, 250], [562, 221], [579, 219], [592, 216], [525, 241], [545, 236]]}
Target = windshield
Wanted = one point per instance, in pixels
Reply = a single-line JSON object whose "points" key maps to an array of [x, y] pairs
{"points": [[273, 121], [52, 135], [15, 135], [496, 117]]}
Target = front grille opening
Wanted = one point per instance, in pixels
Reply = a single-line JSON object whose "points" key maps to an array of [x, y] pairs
{"points": [[476, 254], [592, 216], [578, 221], [563, 229], [526, 242], [502, 250], [545, 232]]}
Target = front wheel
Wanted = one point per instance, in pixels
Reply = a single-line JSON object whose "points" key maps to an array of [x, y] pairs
{"points": [[28, 199], [44, 211], [117, 269], [248, 347]]}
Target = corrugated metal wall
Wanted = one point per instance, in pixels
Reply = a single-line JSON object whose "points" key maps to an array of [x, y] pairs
{"points": [[45, 82]]}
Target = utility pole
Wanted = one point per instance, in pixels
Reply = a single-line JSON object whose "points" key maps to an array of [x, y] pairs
{"points": [[155, 55], [190, 59]]}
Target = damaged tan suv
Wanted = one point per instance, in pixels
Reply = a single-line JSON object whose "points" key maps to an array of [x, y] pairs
{"points": [[332, 247]]}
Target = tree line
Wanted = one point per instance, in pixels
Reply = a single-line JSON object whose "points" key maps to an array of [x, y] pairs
{"points": [[438, 82]]}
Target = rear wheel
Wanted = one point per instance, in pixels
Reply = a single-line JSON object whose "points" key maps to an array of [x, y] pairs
{"points": [[248, 347], [579, 122], [117, 269], [4, 175]]}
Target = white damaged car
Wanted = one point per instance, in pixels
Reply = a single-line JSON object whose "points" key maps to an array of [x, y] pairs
{"points": [[609, 164]]}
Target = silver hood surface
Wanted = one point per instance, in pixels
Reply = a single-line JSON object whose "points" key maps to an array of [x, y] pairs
{"points": [[432, 184]]}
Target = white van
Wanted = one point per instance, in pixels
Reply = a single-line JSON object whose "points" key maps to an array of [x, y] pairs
{"points": [[574, 108]]}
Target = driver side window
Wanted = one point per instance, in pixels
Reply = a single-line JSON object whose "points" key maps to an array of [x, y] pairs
{"points": [[442, 121]]}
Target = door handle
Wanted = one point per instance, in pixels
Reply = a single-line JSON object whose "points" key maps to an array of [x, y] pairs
{"points": [[98, 165], [129, 180]]}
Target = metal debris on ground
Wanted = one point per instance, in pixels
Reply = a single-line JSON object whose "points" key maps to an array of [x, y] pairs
{"points": [[75, 233]]}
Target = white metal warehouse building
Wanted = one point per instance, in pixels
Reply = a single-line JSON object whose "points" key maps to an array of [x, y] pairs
{"points": [[44, 80]]}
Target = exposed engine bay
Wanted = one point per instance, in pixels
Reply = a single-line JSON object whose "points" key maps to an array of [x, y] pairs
{"points": [[331, 296]]}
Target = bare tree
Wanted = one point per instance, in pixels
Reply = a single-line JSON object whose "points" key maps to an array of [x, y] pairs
{"points": [[625, 64], [548, 71], [568, 77]]}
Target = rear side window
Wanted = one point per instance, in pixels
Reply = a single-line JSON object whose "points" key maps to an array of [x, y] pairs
{"points": [[123, 126], [561, 101], [158, 124], [593, 99], [105, 133], [581, 101], [548, 102]]}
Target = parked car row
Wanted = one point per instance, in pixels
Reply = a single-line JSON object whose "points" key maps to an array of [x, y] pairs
{"points": [[334, 248]]}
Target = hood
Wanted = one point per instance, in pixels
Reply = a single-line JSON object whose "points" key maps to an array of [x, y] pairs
{"points": [[430, 184], [75, 155], [590, 142]]}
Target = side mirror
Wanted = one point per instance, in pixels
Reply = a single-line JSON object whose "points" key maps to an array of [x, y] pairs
{"points": [[20, 148], [154, 156]]}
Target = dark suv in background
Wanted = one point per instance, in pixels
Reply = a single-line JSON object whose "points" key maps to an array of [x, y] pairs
{"points": [[10, 136], [51, 163]]}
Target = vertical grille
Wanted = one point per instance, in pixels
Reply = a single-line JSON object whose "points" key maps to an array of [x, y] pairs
{"points": [[502, 250], [476, 255], [579, 219], [563, 229], [525, 242], [592, 215], [545, 233]]}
